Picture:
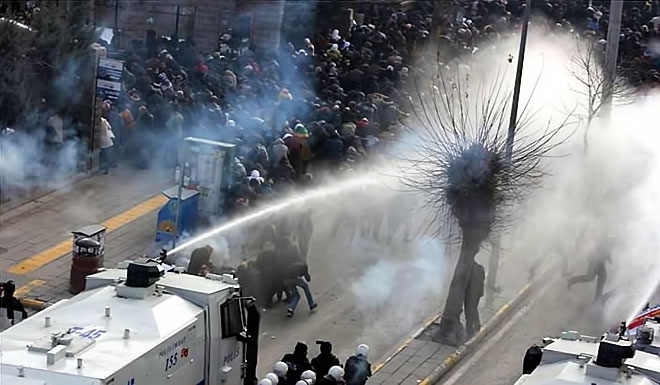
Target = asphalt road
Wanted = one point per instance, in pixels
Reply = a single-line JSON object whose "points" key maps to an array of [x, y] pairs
{"points": [[369, 291], [357, 286], [549, 311]]}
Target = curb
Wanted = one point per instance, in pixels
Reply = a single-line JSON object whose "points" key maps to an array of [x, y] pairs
{"points": [[496, 319], [454, 358]]}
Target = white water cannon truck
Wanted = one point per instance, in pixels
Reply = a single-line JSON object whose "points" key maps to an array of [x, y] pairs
{"points": [[613, 359], [146, 324]]}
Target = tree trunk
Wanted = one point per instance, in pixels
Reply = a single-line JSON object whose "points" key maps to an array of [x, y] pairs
{"points": [[451, 330], [585, 138], [436, 19]]}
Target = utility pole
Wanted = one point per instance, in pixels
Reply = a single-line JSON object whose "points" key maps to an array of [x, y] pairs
{"points": [[612, 53], [176, 28], [494, 261]]}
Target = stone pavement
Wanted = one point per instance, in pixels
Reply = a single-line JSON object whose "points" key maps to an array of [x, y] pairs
{"points": [[35, 238], [414, 361]]}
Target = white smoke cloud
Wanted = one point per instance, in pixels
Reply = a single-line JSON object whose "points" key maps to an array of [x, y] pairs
{"points": [[608, 192]]}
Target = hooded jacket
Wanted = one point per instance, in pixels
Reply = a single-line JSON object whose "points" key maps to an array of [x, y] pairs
{"points": [[357, 370], [296, 270], [297, 363], [278, 151], [325, 360]]}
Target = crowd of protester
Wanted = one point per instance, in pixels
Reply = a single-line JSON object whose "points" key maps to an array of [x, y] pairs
{"points": [[328, 99], [322, 104]]}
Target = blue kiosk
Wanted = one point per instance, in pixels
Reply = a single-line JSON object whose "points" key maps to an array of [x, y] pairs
{"points": [[166, 230], [202, 183]]}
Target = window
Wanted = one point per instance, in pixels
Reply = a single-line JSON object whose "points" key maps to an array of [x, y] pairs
{"points": [[231, 317]]}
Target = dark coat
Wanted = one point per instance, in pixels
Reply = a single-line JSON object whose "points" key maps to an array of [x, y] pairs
{"points": [[323, 362], [357, 371]]}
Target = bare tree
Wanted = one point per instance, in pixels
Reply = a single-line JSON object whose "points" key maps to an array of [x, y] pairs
{"points": [[460, 168], [588, 71], [42, 60]]}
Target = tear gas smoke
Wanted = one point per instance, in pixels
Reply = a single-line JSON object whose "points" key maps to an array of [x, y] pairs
{"points": [[395, 294], [26, 163], [606, 193]]}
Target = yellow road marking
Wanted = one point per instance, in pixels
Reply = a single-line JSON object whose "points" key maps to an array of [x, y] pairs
{"points": [[47, 256], [502, 310], [23, 290], [525, 288]]}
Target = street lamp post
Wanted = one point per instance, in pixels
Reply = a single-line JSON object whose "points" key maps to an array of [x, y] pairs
{"points": [[494, 261]]}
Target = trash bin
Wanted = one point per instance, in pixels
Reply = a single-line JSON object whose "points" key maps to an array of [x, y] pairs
{"points": [[95, 232], [85, 261]]}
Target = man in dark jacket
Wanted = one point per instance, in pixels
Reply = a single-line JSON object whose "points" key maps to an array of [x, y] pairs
{"points": [[11, 303], [200, 260], [297, 363], [473, 294], [297, 276], [270, 273], [333, 150], [357, 368], [252, 342], [325, 360], [596, 270]]}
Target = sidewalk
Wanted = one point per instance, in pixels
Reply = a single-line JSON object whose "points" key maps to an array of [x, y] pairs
{"points": [[415, 360], [36, 240], [38, 192]]}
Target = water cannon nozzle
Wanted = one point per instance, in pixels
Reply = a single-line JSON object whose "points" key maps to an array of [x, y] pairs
{"points": [[163, 254]]}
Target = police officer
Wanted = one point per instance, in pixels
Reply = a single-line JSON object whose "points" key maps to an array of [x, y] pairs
{"points": [[325, 360], [358, 368], [334, 376], [280, 369], [273, 378], [473, 294], [308, 376]]}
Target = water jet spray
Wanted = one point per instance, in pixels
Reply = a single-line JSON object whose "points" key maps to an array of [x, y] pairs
{"points": [[354, 183]]}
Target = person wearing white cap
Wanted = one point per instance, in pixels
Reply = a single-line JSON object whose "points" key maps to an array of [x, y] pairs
{"points": [[256, 176], [273, 378], [334, 376], [358, 368], [309, 376], [280, 369]]}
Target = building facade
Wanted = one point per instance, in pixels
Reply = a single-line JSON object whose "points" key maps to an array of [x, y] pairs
{"points": [[200, 20]]}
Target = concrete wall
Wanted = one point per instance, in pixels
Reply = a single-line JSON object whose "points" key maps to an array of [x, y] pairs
{"points": [[266, 21]]}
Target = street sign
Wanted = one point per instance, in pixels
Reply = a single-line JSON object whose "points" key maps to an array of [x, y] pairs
{"points": [[108, 78]]}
